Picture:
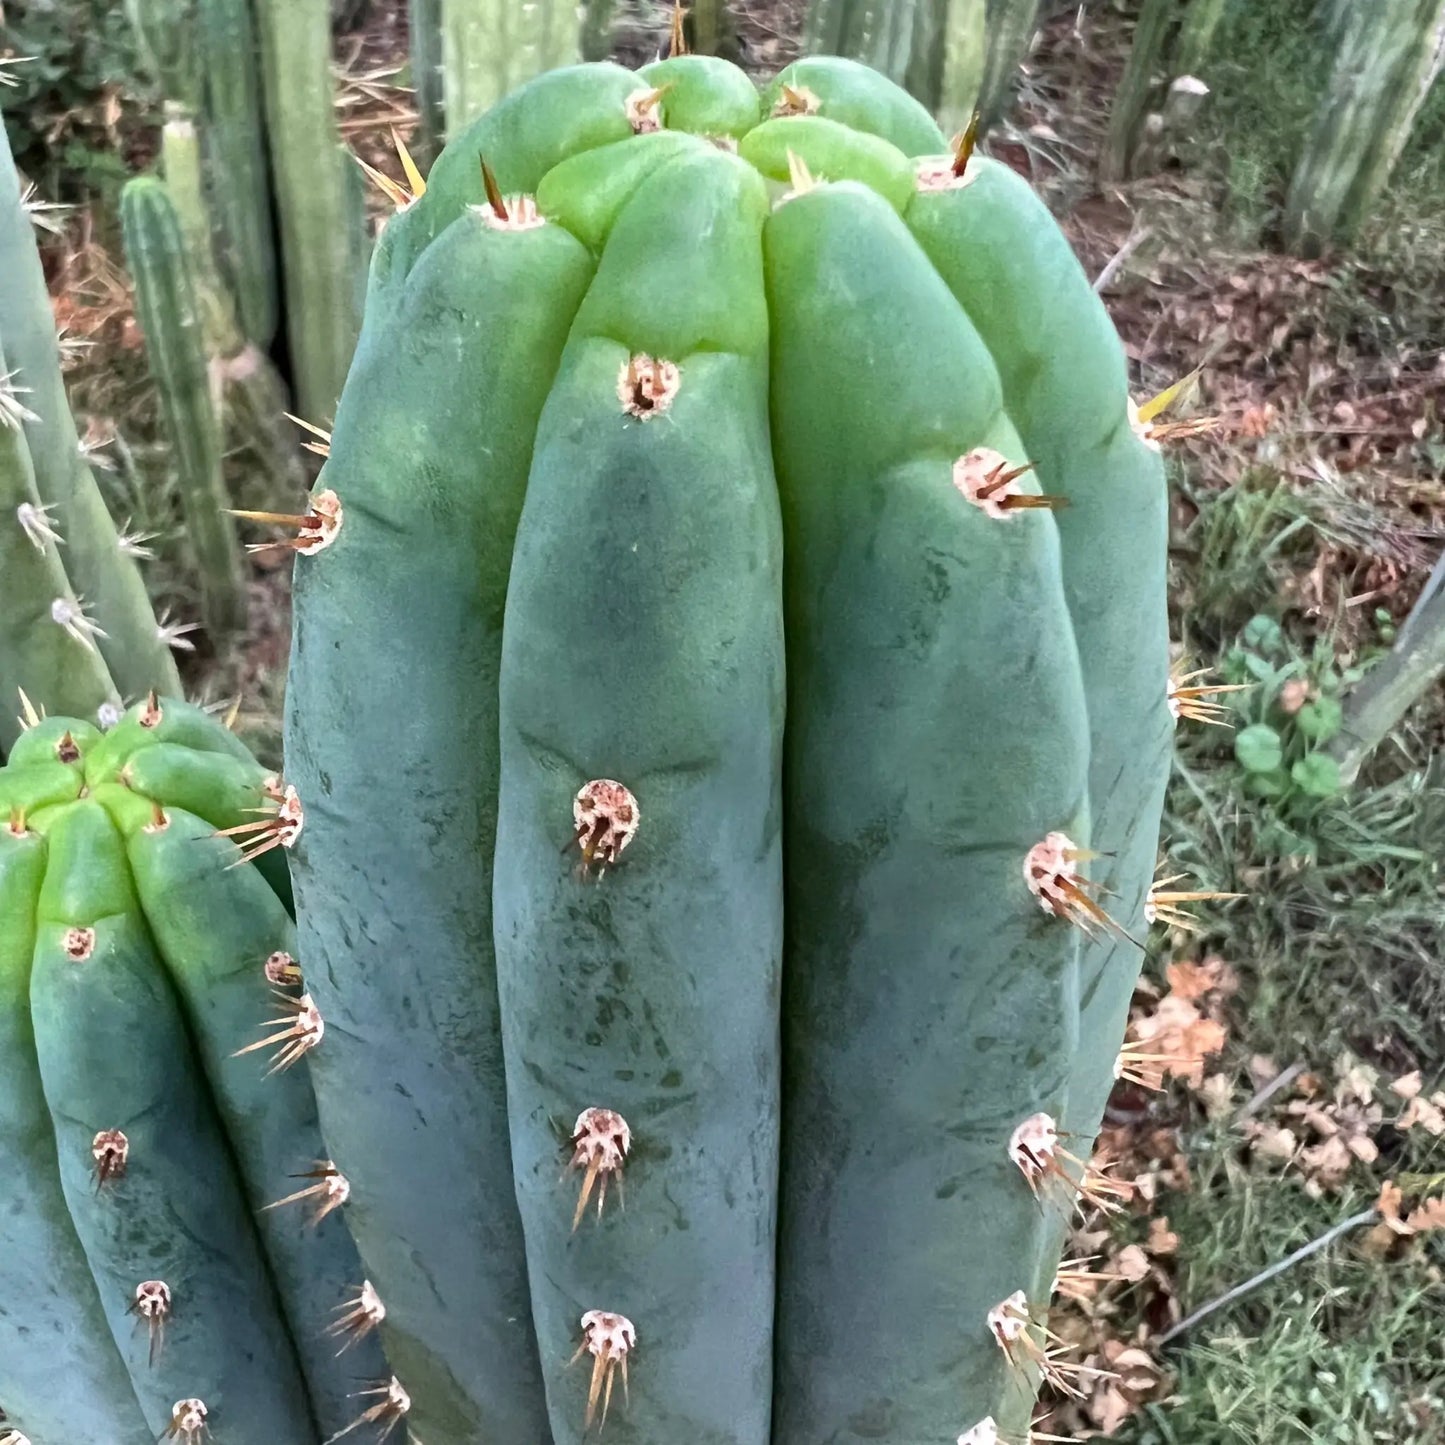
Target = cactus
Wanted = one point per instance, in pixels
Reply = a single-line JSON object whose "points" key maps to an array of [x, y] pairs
{"points": [[1011, 25], [936, 48], [632, 421], [488, 46], [151, 1289], [307, 167], [948, 62], [46, 472], [425, 29], [877, 33], [236, 148], [46, 649], [169, 314], [1389, 57]]}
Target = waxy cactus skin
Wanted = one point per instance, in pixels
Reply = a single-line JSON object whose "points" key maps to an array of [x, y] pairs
{"points": [[140, 1262], [725, 742], [638, 427]]}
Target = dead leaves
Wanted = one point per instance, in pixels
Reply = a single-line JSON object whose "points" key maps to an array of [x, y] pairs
{"points": [[1184, 1027], [1400, 1224]]}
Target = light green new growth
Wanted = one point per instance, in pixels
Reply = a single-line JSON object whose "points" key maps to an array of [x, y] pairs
{"points": [[155, 1109]]}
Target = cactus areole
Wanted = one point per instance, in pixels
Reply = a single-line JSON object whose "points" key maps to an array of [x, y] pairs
{"points": [[730, 716]]}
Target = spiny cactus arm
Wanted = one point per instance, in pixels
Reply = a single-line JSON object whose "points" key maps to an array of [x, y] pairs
{"points": [[714, 30], [410, 1080], [1065, 384], [321, 287], [651, 995], [1131, 99], [225, 939], [55, 662], [165, 32], [168, 309], [64, 1379], [175, 1217], [475, 57], [236, 145], [100, 572], [852, 94], [936, 737], [1196, 34], [705, 96]]}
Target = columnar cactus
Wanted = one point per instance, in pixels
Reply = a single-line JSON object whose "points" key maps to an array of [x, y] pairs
{"points": [[308, 170], [1390, 55], [489, 46], [73, 571], [152, 1286], [168, 309], [665, 389], [236, 148]]}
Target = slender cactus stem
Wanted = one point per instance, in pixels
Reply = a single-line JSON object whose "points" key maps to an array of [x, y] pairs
{"points": [[1376, 705]]}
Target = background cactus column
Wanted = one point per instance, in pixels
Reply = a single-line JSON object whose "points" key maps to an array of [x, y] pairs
{"points": [[100, 571], [322, 286], [58, 668], [240, 192], [1390, 53], [1010, 26], [879, 33], [168, 310], [489, 46]]}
